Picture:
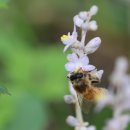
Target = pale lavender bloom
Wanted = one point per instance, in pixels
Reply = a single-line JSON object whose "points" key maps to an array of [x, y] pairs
{"points": [[69, 99], [120, 81], [119, 78], [68, 40], [78, 21], [92, 45], [86, 128], [91, 127], [93, 10], [83, 15], [76, 63], [79, 60], [72, 121], [82, 20], [119, 100], [93, 25], [118, 123]]}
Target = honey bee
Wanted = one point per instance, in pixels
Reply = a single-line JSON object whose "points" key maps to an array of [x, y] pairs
{"points": [[84, 84]]}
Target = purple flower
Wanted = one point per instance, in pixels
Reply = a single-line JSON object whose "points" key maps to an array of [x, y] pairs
{"points": [[76, 63]]}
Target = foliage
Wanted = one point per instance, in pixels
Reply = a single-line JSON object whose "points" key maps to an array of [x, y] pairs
{"points": [[4, 90], [3, 4]]}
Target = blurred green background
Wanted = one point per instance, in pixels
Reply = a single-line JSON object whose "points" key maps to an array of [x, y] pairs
{"points": [[32, 59]]}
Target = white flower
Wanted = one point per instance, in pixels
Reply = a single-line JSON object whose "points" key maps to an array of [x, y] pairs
{"points": [[76, 63], [119, 78], [78, 21], [69, 99], [118, 123], [91, 128], [92, 45], [72, 121], [68, 40], [83, 15], [82, 20], [93, 10], [122, 64], [93, 25]]}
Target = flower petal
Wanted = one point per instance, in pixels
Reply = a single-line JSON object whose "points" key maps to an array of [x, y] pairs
{"points": [[92, 45], [83, 15], [77, 21], [93, 25], [91, 128], [69, 99], [84, 60], [67, 46], [93, 10], [72, 57], [72, 121], [88, 67], [70, 66]]}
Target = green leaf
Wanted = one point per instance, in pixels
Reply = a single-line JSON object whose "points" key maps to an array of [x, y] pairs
{"points": [[3, 4], [4, 90], [23, 111]]}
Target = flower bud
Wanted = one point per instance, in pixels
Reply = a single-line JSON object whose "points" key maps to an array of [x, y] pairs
{"points": [[83, 15], [69, 99], [92, 45], [93, 10], [122, 64], [93, 25], [72, 121], [77, 21], [91, 128]]}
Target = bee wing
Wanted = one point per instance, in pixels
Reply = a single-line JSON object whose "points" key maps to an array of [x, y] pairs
{"points": [[85, 105]]}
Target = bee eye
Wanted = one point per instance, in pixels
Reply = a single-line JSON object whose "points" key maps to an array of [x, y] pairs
{"points": [[76, 76], [79, 75]]}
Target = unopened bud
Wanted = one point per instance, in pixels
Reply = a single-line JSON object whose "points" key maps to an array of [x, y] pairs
{"points": [[77, 21], [69, 99], [83, 15], [92, 45], [93, 10], [72, 121], [93, 25]]}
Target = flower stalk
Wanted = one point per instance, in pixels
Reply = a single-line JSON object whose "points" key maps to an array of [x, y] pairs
{"points": [[79, 60]]}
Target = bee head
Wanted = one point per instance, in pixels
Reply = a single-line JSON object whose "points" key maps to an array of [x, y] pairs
{"points": [[75, 76]]}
